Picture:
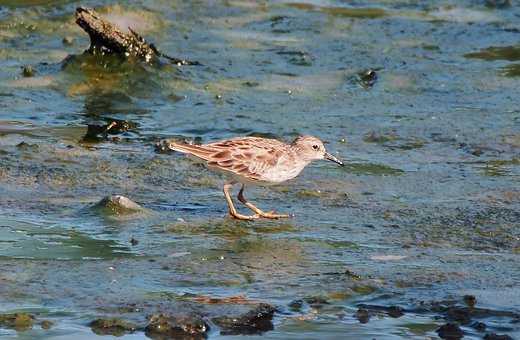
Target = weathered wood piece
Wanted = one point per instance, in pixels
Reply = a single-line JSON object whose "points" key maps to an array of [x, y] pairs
{"points": [[106, 38]]}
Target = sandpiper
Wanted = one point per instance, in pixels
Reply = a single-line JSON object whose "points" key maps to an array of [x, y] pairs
{"points": [[256, 160]]}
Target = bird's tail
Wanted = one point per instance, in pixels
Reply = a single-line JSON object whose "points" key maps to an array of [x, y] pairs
{"points": [[199, 151]]}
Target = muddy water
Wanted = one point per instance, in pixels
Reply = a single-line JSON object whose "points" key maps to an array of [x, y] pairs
{"points": [[426, 211]]}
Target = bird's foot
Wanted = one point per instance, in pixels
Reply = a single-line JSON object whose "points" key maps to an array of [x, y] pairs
{"points": [[273, 215], [242, 217]]}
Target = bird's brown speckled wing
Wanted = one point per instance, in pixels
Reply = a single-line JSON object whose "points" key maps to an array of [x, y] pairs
{"points": [[250, 157]]}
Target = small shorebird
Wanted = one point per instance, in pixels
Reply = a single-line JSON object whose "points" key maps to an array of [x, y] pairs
{"points": [[257, 160]]}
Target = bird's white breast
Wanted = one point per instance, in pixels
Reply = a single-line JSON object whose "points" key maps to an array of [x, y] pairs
{"points": [[283, 171]]}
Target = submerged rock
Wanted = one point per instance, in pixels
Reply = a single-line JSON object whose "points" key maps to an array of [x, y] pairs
{"points": [[450, 331], [362, 315], [493, 336], [256, 321], [316, 301], [296, 305], [498, 3], [17, 321], [392, 311], [46, 324], [456, 314], [479, 326], [68, 41], [470, 300], [162, 326], [115, 327], [24, 146], [118, 205]]}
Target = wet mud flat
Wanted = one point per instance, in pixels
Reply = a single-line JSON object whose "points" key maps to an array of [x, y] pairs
{"points": [[104, 233]]}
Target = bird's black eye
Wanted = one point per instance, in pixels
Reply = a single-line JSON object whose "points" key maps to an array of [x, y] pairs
{"points": [[316, 147]]}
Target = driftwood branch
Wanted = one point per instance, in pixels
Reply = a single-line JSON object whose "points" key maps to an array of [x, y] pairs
{"points": [[106, 38]]}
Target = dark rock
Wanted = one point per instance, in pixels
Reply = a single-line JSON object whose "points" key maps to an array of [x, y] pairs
{"points": [[493, 336], [362, 315], [96, 133], [450, 331], [470, 300], [115, 327], [251, 83], [477, 152], [67, 41], [256, 321], [352, 275], [479, 326], [316, 301], [161, 326], [296, 305], [395, 311], [367, 78], [498, 3]]}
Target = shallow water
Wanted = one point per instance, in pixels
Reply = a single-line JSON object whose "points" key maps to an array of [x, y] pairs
{"points": [[426, 210]]}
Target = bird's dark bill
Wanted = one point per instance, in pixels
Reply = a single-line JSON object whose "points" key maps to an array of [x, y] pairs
{"points": [[329, 157]]}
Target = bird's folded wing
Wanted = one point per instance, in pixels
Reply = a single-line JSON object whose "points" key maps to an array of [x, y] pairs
{"points": [[243, 157]]}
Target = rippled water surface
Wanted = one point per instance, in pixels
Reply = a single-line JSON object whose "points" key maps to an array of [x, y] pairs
{"points": [[425, 212]]}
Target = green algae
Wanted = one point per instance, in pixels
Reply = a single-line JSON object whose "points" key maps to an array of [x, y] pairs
{"points": [[509, 53], [346, 12], [500, 167], [373, 169], [512, 70]]}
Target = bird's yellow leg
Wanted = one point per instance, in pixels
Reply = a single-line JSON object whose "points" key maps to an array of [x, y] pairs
{"points": [[232, 210], [259, 212]]}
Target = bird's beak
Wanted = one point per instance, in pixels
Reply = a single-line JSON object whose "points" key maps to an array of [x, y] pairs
{"points": [[329, 157]]}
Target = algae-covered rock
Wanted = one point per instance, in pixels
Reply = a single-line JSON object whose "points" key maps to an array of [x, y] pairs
{"points": [[162, 326], [112, 326], [256, 321], [28, 71], [17, 321], [118, 205]]}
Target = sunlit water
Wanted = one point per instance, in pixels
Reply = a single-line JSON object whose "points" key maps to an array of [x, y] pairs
{"points": [[426, 209]]}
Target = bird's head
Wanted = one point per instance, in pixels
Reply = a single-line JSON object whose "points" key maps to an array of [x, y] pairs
{"points": [[311, 148]]}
